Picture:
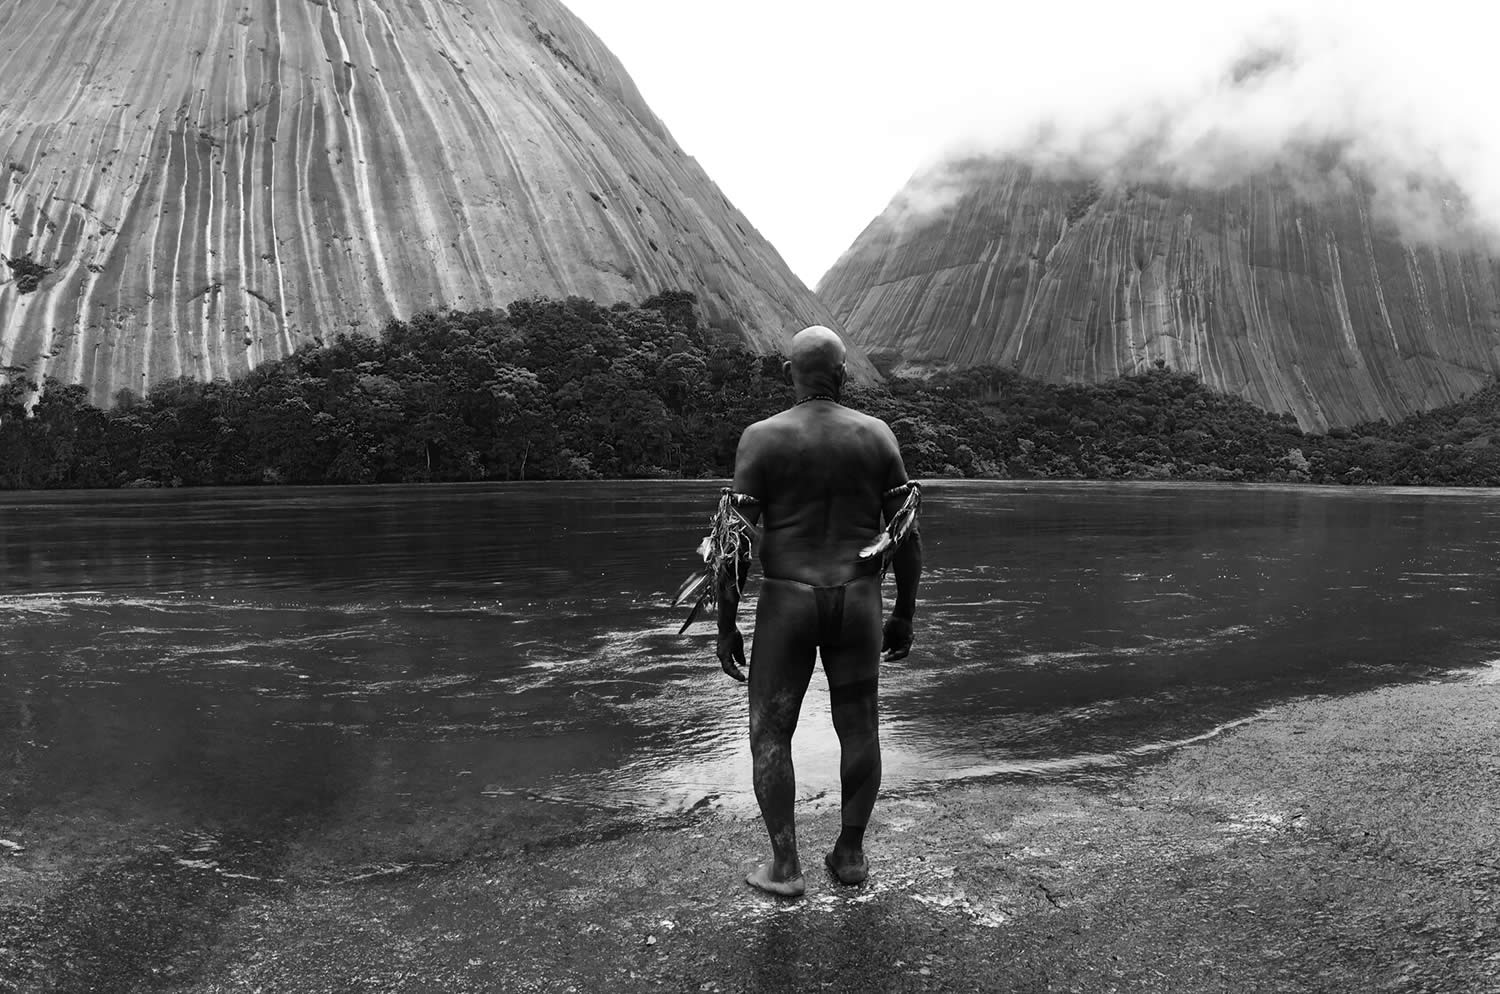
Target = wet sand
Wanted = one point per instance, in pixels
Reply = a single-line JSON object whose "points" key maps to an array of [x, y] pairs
{"points": [[1337, 844]]}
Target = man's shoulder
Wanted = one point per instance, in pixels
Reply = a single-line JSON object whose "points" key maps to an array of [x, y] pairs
{"points": [[874, 422], [876, 426], [761, 428], [760, 434], [790, 421]]}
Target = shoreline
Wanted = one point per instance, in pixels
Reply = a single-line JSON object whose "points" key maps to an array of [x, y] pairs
{"points": [[719, 481], [1335, 844]]}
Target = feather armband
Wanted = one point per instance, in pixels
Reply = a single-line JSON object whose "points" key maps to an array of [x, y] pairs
{"points": [[726, 551], [899, 527]]}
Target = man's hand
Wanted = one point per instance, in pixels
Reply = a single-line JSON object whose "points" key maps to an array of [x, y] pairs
{"points": [[896, 641], [731, 653]]}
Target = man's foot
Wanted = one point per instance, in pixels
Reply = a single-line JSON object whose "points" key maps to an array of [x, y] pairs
{"points": [[848, 866], [763, 877]]}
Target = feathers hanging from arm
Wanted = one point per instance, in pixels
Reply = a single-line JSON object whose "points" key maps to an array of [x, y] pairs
{"points": [[726, 552], [900, 549], [897, 530]]}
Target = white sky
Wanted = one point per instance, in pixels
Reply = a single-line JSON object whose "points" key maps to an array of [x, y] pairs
{"points": [[811, 114]]}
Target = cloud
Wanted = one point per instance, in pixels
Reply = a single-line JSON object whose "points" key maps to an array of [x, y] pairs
{"points": [[812, 113], [936, 188], [1399, 101]]}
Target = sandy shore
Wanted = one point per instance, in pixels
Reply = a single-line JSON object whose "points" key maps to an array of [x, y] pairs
{"points": [[1335, 845]]}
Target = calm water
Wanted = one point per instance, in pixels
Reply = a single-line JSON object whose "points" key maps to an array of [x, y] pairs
{"points": [[390, 671]]}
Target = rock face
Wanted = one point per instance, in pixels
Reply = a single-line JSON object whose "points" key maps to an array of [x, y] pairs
{"points": [[192, 188], [1308, 304]]}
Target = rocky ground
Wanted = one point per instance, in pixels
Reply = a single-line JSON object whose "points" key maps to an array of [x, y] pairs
{"points": [[1336, 845]]}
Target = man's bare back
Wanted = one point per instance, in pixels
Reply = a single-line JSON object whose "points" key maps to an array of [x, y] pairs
{"points": [[822, 468]]}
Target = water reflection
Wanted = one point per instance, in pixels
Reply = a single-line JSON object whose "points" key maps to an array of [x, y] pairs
{"points": [[436, 667]]}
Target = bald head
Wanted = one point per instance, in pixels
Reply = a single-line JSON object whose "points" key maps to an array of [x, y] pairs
{"points": [[817, 362]]}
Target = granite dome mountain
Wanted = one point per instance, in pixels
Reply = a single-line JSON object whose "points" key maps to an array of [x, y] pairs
{"points": [[192, 188], [1301, 300]]}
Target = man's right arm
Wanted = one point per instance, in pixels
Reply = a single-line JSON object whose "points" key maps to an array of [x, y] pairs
{"points": [[747, 483]]}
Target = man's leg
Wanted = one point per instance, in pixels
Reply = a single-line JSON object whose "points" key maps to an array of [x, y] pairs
{"points": [[781, 664], [853, 670]]}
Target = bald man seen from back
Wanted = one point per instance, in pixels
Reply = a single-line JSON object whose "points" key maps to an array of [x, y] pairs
{"points": [[823, 481]]}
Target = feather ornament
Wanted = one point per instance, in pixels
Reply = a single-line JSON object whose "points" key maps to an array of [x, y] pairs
{"points": [[897, 529], [729, 542]]}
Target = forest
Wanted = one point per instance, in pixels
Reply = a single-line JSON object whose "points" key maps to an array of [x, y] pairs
{"points": [[550, 389]]}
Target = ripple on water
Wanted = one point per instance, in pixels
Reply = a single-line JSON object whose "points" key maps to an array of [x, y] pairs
{"points": [[1058, 638]]}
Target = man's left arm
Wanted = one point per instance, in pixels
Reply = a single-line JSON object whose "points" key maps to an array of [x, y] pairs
{"points": [[747, 496], [906, 562]]}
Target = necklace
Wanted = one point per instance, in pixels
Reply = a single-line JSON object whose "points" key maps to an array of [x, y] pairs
{"points": [[816, 396]]}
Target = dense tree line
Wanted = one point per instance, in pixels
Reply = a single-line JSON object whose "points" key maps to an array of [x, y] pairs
{"points": [[544, 389], [568, 389]]}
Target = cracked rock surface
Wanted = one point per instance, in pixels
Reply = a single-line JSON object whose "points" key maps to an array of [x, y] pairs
{"points": [[197, 188], [1308, 299]]}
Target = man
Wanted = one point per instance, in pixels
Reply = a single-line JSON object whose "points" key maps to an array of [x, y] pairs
{"points": [[819, 477]]}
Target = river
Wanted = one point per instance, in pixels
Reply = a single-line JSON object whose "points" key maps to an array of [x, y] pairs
{"points": [[390, 674]]}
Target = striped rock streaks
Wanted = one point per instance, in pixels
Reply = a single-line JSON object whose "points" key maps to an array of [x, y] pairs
{"points": [[1314, 307], [211, 185]]}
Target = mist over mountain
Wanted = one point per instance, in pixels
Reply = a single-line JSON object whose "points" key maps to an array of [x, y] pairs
{"points": [[1275, 213], [1308, 304], [1293, 95], [190, 188]]}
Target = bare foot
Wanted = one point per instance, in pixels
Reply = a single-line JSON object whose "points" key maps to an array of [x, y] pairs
{"points": [[848, 866], [763, 877]]}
